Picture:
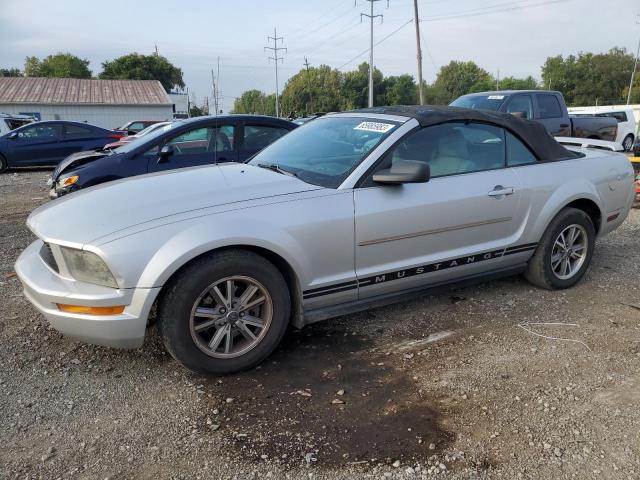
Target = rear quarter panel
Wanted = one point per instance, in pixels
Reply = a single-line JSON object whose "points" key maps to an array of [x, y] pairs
{"points": [[602, 177]]}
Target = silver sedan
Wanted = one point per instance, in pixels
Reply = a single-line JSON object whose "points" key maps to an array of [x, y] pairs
{"points": [[347, 212]]}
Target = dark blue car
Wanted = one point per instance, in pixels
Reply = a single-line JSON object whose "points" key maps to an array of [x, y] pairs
{"points": [[48, 143], [184, 143]]}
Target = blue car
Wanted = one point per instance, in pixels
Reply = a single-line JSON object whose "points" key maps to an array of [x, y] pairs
{"points": [[184, 143], [48, 143]]}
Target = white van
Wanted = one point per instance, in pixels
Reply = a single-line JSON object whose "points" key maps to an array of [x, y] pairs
{"points": [[625, 117]]}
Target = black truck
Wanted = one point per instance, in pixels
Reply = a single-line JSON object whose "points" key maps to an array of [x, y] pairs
{"points": [[544, 106]]}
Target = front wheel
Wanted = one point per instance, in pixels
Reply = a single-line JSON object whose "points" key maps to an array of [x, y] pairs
{"points": [[4, 165], [564, 252], [225, 312]]}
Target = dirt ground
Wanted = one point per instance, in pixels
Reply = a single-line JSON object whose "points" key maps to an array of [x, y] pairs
{"points": [[448, 385]]}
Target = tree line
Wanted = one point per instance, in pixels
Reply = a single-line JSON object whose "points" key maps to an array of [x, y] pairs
{"points": [[132, 66], [583, 79]]}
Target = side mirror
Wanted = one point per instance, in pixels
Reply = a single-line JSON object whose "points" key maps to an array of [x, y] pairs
{"points": [[165, 153], [520, 115], [403, 171], [131, 132]]}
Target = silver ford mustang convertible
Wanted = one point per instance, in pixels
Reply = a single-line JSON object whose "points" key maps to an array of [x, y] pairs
{"points": [[349, 211]]}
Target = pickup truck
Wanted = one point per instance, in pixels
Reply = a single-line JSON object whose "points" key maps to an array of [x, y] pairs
{"points": [[546, 107], [351, 211]]}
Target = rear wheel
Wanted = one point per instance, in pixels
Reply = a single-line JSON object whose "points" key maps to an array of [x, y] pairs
{"points": [[564, 252], [4, 166], [225, 312], [627, 143]]}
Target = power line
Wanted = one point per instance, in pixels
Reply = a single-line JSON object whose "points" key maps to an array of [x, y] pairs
{"points": [[377, 43], [306, 25], [275, 49], [452, 16], [489, 9]]}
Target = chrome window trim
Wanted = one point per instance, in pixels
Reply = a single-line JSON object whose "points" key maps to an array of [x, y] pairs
{"points": [[378, 152]]}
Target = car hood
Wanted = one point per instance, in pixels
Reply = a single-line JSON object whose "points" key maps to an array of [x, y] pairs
{"points": [[91, 214], [76, 159]]}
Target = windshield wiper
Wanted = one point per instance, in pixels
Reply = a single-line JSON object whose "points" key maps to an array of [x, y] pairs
{"points": [[276, 168]]}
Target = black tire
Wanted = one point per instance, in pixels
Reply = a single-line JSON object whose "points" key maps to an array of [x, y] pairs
{"points": [[4, 166], [181, 294], [539, 271], [627, 143]]}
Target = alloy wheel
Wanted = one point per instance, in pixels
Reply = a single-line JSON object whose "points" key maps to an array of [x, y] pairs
{"points": [[231, 317], [569, 251]]}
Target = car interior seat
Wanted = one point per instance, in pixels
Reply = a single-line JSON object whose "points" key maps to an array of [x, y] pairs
{"points": [[451, 155]]}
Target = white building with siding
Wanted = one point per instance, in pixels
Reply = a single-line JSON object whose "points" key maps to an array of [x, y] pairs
{"points": [[105, 103]]}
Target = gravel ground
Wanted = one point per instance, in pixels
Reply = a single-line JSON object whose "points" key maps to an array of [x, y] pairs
{"points": [[448, 385]]}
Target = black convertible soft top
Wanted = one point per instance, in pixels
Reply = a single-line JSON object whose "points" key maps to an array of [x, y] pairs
{"points": [[533, 134]]}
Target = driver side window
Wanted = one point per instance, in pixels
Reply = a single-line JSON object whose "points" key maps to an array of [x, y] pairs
{"points": [[450, 149]]}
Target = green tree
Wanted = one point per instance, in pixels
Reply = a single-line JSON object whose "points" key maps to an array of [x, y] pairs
{"points": [[588, 78], [60, 65], [196, 111], [512, 83], [355, 88], [460, 78], [10, 72], [400, 90], [135, 66], [313, 90], [255, 102]]}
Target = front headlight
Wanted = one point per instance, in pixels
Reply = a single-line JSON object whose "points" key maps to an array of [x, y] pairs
{"points": [[67, 182], [88, 267]]}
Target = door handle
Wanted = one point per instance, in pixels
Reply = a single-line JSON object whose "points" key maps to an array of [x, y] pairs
{"points": [[564, 125], [499, 191]]}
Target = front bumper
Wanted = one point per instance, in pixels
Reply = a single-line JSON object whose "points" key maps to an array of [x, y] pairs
{"points": [[45, 289]]}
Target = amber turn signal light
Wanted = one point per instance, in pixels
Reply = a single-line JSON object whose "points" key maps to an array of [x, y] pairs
{"points": [[91, 310]]}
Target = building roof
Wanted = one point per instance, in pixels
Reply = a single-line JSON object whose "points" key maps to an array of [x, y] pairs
{"points": [[76, 91], [532, 133]]}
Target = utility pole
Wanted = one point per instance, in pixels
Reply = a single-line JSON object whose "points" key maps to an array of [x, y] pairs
{"points": [[498, 81], [214, 92], [416, 20], [156, 47], [633, 74], [371, 16], [218, 87], [306, 64], [275, 49]]}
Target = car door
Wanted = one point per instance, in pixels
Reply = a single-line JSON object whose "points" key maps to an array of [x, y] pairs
{"points": [[256, 136], [77, 138], [456, 225], [200, 145], [37, 144]]}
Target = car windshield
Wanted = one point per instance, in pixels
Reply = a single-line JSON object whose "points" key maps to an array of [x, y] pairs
{"points": [[325, 151], [480, 102], [127, 147]]}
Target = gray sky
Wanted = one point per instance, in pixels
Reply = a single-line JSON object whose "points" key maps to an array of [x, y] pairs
{"points": [[515, 36]]}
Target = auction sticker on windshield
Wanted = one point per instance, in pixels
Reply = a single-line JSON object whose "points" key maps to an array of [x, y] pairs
{"points": [[374, 127]]}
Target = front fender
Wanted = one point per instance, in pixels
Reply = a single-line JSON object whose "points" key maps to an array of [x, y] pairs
{"points": [[148, 259]]}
